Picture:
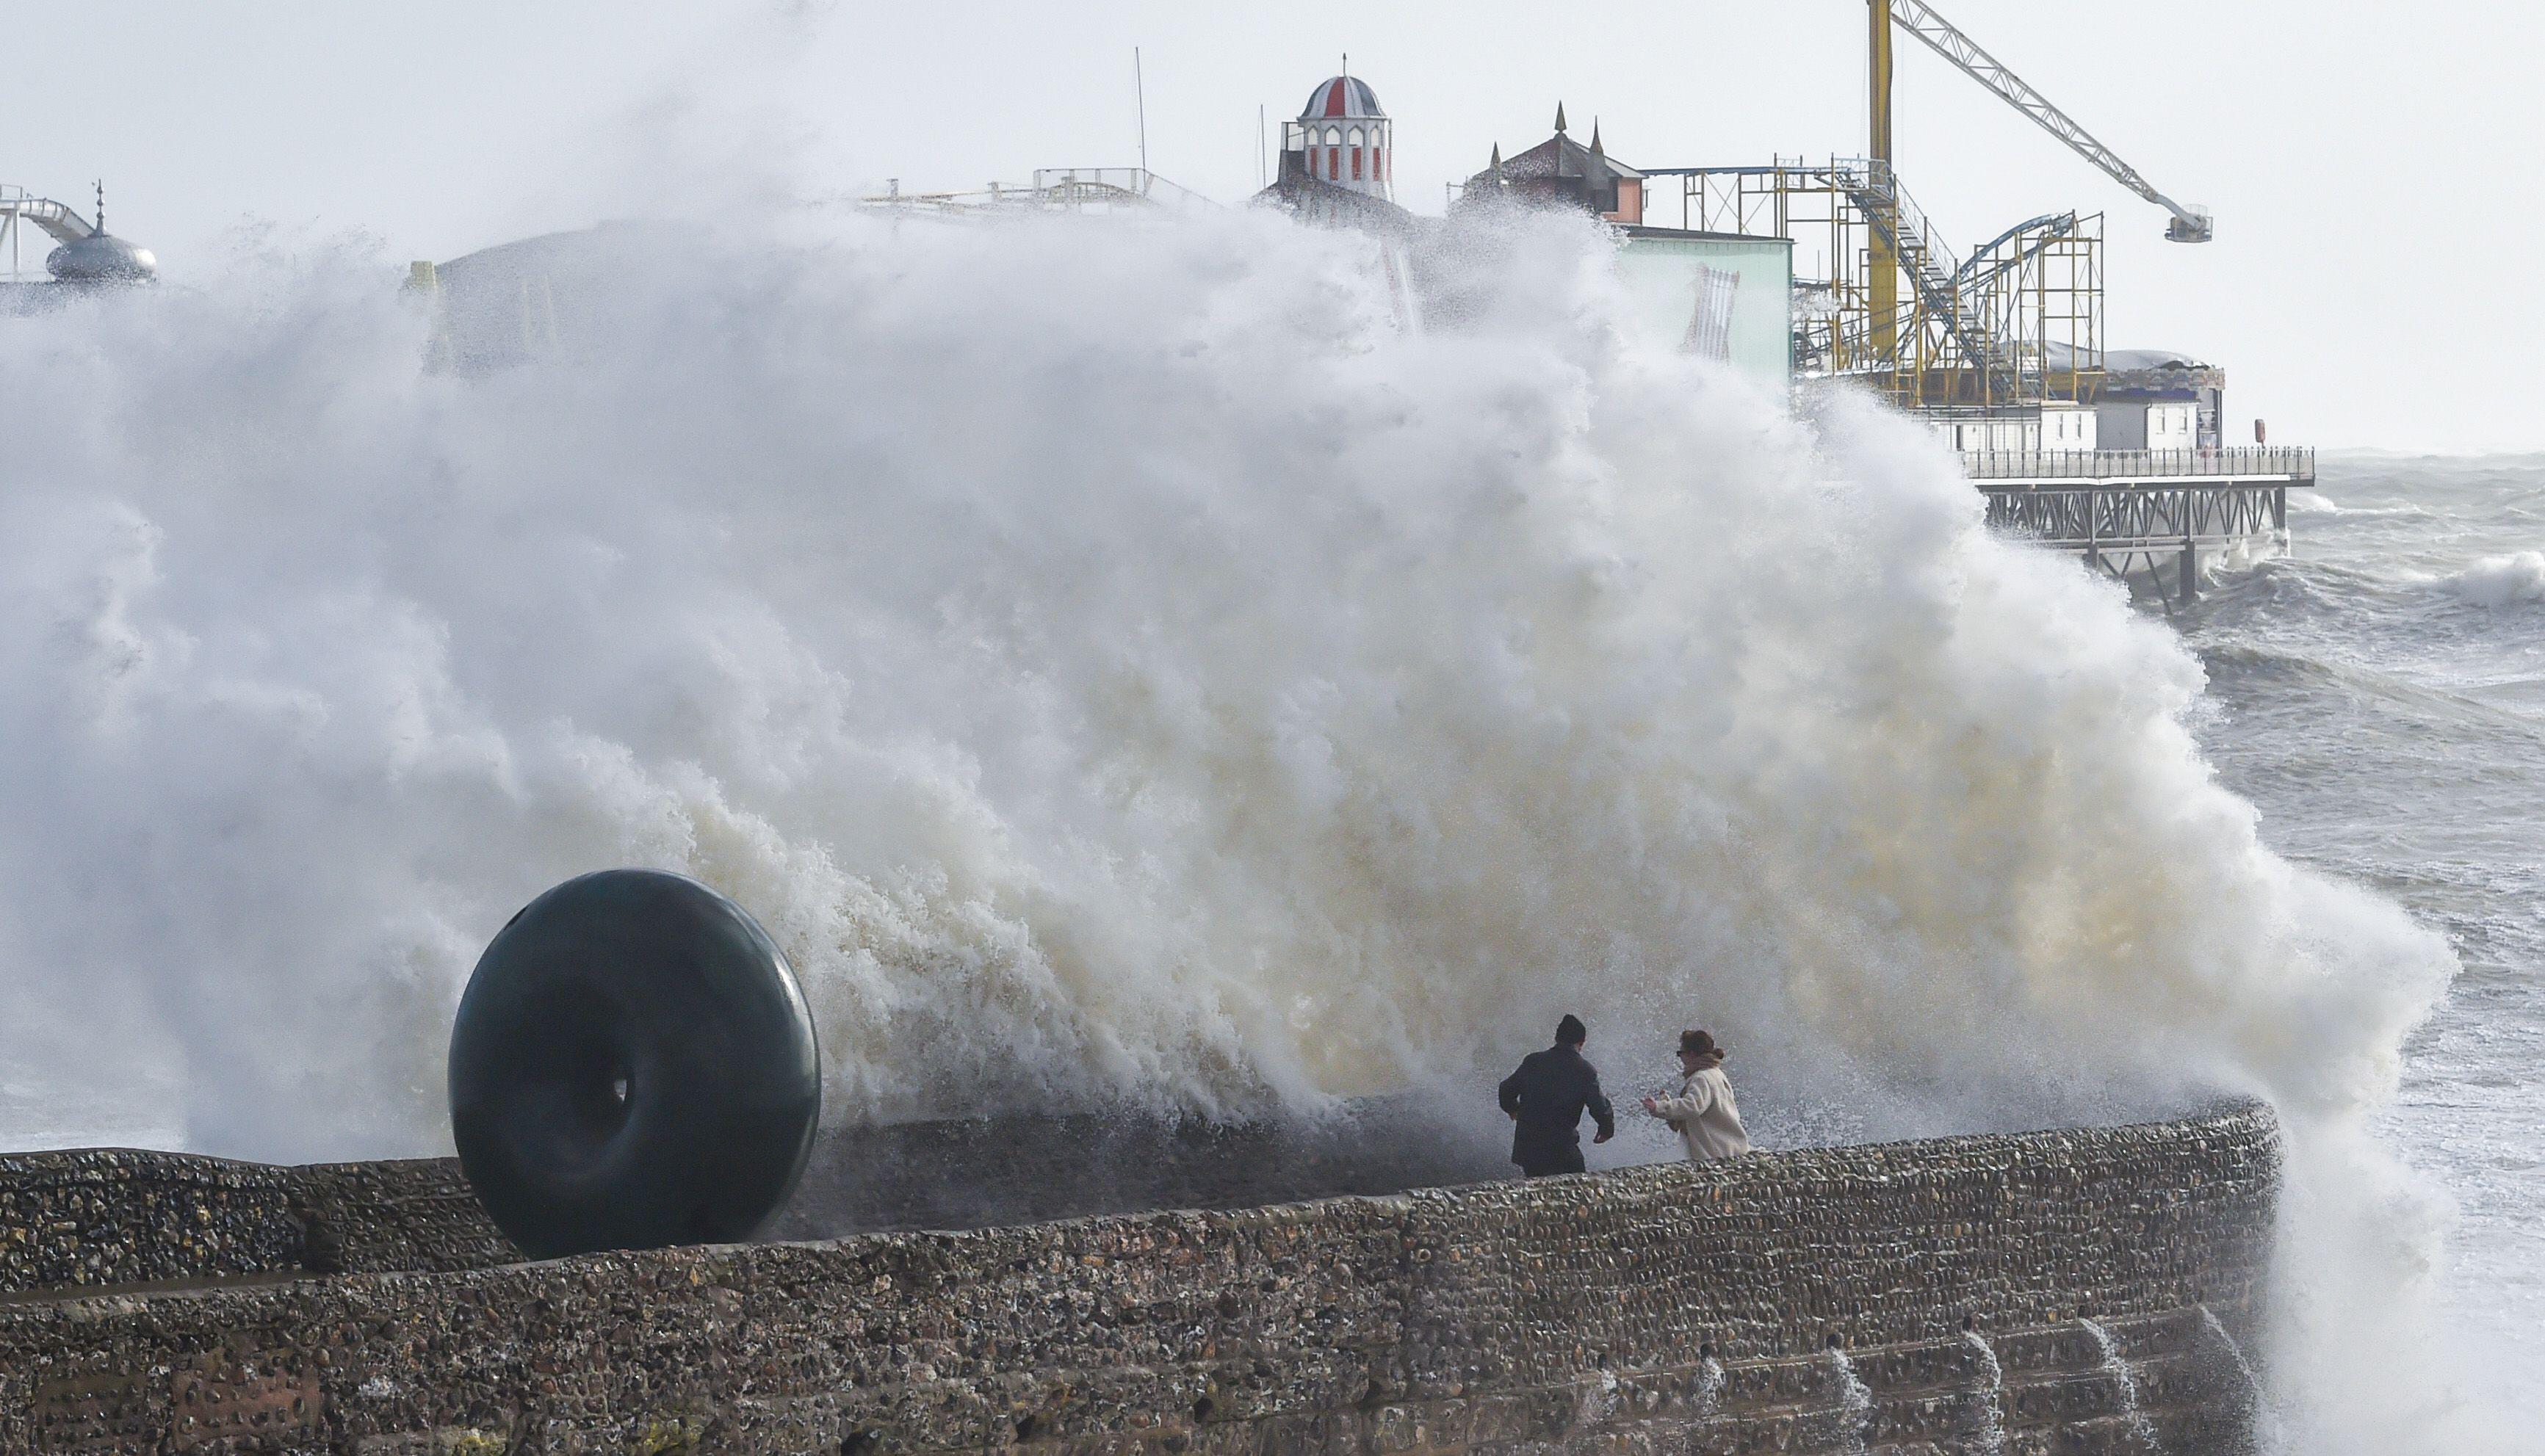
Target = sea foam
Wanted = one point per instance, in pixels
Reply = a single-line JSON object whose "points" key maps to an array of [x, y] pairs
{"points": [[1123, 666], [2500, 581]]}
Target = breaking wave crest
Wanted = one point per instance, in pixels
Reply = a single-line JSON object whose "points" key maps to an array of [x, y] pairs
{"points": [[2500, 581], [1120, 665]]}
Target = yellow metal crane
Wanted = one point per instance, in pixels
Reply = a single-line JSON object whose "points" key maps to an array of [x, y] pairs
{"points": [[2014, 324], [2191, 225]]}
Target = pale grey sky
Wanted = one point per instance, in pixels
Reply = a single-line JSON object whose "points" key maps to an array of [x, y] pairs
{"points": [[2375, 181]]}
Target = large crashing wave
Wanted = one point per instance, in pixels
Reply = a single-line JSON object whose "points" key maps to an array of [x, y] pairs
{"points": [[1122, 666]]}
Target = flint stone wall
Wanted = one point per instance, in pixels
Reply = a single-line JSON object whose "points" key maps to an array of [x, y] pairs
{"points": [[1025, 1168], [121, 1216], [1663, 1307]]}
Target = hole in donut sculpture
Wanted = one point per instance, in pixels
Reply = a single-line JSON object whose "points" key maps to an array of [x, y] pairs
{"points": [[633, 1066]]}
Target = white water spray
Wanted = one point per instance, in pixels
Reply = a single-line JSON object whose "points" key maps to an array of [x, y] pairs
{"points": [[2127, 1382], [1992, 1391], [2217, 1332], [1854, 1402], [1121, 667], [1598, 1399], [2270, 1433], [1710, 1388]]}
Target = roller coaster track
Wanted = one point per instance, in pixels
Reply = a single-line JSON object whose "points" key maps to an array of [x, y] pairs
{"points": [[1981, 268]]}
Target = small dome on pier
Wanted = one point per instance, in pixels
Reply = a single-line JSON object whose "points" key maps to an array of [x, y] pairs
{"points": [[102, 258]]}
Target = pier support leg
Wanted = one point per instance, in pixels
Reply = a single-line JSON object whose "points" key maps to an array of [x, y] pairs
{"points": [[2187, 575]]}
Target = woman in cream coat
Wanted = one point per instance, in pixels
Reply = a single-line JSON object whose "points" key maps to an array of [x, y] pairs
{"points": [[1707, 1121]]}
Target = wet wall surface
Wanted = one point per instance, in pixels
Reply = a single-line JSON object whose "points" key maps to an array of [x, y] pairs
{"points": [[1019, 1169], [2085, 1290]]}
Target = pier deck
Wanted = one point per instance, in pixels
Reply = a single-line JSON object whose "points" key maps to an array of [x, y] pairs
{"points": [[2132, 510]]}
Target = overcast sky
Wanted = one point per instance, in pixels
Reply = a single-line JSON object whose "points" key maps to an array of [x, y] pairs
{"points": [[2376, 181]]}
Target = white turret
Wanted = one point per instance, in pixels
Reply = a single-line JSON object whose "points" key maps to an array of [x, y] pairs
{"points": [[1343, 137]]}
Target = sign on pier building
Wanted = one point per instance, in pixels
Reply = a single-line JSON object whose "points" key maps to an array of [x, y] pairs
{"points": [[1713, 295]]}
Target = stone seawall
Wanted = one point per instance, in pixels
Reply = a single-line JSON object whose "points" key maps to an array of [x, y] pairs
{"points": [[119, 1216], [2079, 1291]]}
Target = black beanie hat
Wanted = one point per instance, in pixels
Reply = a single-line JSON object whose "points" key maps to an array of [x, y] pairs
{"points": [[1570, 1031]]}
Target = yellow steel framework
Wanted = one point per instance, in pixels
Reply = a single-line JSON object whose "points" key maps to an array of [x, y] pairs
{"points": [[2017, 323], [1882, 277]]}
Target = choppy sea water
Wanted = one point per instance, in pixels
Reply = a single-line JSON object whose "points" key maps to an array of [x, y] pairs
{"points": [[2380, 694]]}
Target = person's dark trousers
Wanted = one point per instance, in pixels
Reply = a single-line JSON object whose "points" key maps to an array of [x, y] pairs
{"points": [[1572, 1163]]}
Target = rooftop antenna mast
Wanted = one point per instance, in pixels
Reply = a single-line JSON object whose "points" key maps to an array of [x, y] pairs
{"points": [[1141, 94], [1884, 275]]}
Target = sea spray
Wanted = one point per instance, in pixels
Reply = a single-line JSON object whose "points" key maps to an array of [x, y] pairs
{"points": [[1855, 1403], [2127, 1382], [1709, 1387], [1124, 667], [1598, 1401], [1992, 1394], [2500, 581], [2218, 1332], [2270, 1434]]}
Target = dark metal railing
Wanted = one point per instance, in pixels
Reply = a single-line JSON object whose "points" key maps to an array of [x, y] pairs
{"points": [[2294, 463]]}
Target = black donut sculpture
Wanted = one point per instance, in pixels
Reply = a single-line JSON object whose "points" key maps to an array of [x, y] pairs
{"points": [[633, 1066]]}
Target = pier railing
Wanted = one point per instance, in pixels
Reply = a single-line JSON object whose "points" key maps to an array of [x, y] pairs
{"points": [[2293, 464]]}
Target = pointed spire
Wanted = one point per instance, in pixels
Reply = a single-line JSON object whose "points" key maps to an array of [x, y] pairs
{"points": [[1497, 167], [1595, 138], [1559, 119], [101, 208]]}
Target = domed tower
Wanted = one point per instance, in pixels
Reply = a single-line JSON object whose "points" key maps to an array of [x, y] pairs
{"points": [[1343, 137], [100, 257]]}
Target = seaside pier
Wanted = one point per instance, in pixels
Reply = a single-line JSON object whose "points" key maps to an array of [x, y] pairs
{"points": [[2145, 511], [2118, 454]]}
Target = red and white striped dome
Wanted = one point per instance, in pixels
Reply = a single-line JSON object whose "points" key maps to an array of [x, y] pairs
{"points": [[1340, 96], [1343, 137]]}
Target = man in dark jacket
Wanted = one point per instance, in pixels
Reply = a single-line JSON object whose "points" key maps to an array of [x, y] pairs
{"points": [[1546, 1098]]}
